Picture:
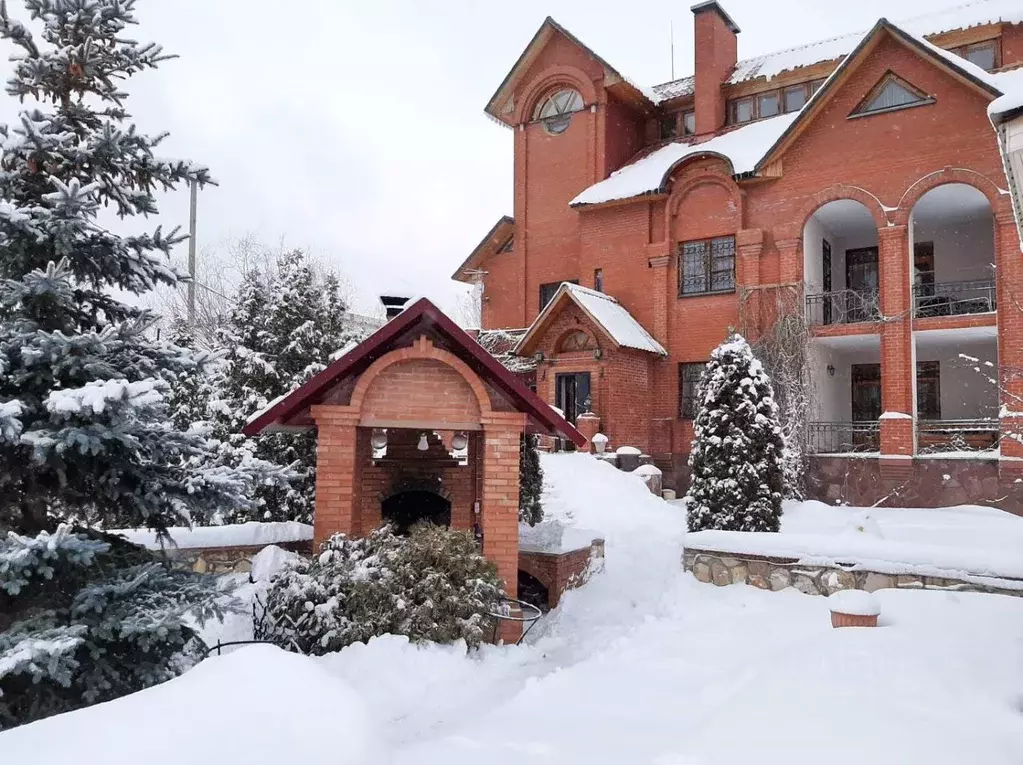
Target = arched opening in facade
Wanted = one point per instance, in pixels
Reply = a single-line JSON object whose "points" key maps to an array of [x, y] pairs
{"points": [[841, 272], [952, 260], [952, 236], [842, 284], [407, 508]]}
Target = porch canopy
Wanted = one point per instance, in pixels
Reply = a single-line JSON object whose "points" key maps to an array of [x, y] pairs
{"points": [[418, 422]]}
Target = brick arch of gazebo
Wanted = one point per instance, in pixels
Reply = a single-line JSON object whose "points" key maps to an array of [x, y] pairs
{"points": [[419, 374]]}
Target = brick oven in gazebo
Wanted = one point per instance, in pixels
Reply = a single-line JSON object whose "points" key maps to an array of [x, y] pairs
{"points": [[418, 422]]}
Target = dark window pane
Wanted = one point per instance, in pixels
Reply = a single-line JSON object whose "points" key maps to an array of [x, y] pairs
{"points": [[669, 126], [688, 123], [815, 86], [795, 97], [688, 381], [768, 103], [695, 267], [982, 54], [598, 280]]}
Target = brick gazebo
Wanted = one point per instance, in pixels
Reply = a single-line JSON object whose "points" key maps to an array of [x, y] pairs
{"points": [[418, 422]]}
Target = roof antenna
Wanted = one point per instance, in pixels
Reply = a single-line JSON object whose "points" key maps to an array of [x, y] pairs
{"points": [[671, 33]]}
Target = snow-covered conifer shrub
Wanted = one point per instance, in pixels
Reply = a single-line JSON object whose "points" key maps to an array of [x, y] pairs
{"points": [[736, 461], [87, 617], [530, 481], [433, 584]]}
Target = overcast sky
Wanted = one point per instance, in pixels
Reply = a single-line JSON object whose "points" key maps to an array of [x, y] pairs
{"points": [[356, 129]]}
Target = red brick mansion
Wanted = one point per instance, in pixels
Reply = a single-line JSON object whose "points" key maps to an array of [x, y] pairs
{"points": [[857, 182]]}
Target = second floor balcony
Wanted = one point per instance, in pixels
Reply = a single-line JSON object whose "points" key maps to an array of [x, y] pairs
{"points": [[949, 248]]}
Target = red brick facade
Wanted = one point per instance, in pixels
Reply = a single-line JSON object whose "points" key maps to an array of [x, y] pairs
{"points": [[885, 161]]}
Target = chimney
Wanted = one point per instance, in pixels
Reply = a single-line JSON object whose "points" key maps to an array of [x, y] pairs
{"points": [[393, 305], [716, 46]]}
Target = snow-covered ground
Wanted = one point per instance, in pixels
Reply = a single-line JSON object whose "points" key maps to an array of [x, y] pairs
{"points": [[968, 542], [642, 665]]}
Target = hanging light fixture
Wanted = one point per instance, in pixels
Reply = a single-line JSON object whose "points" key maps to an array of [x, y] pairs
{"points": [[423, 444], [379, 438], [459, 442]]}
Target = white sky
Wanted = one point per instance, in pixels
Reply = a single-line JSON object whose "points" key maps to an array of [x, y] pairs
{"points": [[356, 128]]}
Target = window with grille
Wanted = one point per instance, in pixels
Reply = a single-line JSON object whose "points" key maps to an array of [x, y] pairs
{"points": [[688, 380], [707, 265]]}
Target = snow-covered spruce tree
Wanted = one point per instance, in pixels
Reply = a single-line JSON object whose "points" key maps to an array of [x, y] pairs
{"points": [[530, 481], [433, 584], [736, 461], [84, 425], [287, 324]]}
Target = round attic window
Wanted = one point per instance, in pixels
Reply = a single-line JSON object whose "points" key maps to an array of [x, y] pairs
{"points": [[555, 111]]}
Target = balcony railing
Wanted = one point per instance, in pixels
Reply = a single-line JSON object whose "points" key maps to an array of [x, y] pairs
{"points": [[941, 436], [843, 307], [953, 298], [843, 437]]}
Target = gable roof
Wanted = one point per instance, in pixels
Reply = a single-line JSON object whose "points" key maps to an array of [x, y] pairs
{"points": [[536, 44], [742, 147], [964, 70], [604, 311], [422, 317], [497, 236], [751, 147], [976, 13]]}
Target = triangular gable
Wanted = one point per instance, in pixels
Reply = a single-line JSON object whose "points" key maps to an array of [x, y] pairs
{"points": [[964, 71], [605, 313], [422, 317], [499, 105], [496, 240]]}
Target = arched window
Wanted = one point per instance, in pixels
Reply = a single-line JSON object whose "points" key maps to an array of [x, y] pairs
{"points": [[556, 110]]}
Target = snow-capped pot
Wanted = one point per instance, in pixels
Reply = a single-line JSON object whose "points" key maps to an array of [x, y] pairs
{"points": [[599, 443], [853, 608]]}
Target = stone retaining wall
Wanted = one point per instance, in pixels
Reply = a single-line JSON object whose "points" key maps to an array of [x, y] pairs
{"points": [[227, 560], [769, 573]]}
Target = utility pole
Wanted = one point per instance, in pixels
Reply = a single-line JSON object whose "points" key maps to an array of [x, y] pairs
{"points": [[192, 202]]}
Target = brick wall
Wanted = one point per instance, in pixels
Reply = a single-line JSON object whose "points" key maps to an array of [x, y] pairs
{"points": [[885, 161]]}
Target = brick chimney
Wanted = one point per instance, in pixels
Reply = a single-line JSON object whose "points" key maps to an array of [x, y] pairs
{"points": [[393, 305], [716, 44]]}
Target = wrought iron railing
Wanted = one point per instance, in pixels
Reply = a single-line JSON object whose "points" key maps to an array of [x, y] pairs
{"points": [[940, 436], [843, 437], [843, 307], [953, 298]]}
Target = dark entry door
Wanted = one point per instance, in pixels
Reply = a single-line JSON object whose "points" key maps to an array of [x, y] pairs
{"points": [[572, 394], [866, 403]]}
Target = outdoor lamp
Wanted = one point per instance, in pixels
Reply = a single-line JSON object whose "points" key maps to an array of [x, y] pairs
{"points": [[379, 439], [423, 444], [460, 441]]}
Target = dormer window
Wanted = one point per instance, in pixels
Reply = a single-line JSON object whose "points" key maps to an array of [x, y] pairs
{"points": [[555, 111]]}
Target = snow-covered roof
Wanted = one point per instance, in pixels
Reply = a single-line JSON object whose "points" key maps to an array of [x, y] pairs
{"points": [[1011, 85], [743, 147], [685, 86], [964, 16], [604, 311]]}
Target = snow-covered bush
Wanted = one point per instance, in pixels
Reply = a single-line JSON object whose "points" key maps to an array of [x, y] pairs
{"points": [[736, 460], [86, 618], [433, 584]]}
